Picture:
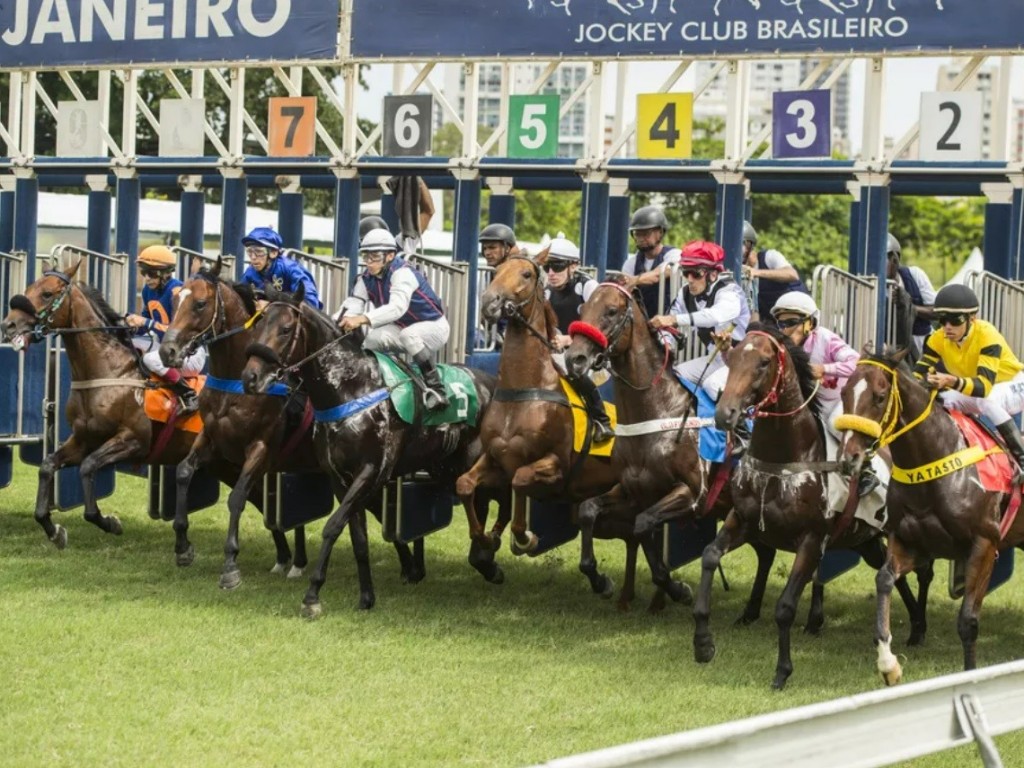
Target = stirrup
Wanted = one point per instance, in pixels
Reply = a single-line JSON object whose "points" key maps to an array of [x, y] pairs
{"points": [[434, 401], [602, 432], [866, 483], [188, 403]]}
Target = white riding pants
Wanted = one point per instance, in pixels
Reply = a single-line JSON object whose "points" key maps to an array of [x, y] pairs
{"points": [[150, 347], [430, 335]]}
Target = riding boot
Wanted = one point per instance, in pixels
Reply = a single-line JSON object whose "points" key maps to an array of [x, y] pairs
{"points": [[1014, 443], [595, 408], [741, 438], [188, 401], [434, 397], [867, 482]]}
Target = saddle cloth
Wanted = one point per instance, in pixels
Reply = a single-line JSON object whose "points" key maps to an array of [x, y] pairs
{"points": [[711, 441], [463, 404], [159, 402], [581, 422], [870, 509], [995, 471]]}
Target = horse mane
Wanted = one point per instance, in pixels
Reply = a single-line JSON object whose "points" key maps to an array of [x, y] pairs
{"points": [[245, 293], [108, 314], [801, 360]]}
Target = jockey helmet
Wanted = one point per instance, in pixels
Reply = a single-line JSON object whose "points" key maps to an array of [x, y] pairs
{"points": [[955, 299], [500, 232], [561, 248], [371, 222], [158, 257], [264, 236], [749, 233], [703, 255], [797, 303], [892, 246], [378, 240], [649, 217]]}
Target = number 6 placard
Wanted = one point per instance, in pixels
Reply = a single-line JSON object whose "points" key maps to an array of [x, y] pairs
{"points": [[408, 124], [533, 125], [801, 124], [951, 125]]}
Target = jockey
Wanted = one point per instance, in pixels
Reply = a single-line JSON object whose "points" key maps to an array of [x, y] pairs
{"points": [[914, 281], [267, 267], [404, 314], [159, 296], [714, 304], [982, 376], [773, 272], [643, 269], [566, 291], [497, 243], [371, 222]]}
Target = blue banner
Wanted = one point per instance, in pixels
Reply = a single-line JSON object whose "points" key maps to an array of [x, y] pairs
{"points": [[670, 28], [59, 33]]}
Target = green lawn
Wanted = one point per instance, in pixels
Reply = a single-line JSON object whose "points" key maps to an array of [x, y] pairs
{"points": [[113, 656]]}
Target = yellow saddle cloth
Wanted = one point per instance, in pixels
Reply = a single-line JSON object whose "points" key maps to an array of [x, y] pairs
{"points": [[158, 404], [580, 423]]}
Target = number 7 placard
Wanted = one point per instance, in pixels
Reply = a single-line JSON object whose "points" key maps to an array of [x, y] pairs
{"points": [[292, 126]]}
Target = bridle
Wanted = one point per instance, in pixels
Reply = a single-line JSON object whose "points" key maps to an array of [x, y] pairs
{"points": [[772, 396], [271, 357], [513, 310]]}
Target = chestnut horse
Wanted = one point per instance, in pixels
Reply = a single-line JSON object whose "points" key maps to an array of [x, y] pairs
{"points": [[662, 476], [527, 435], [361, 442], [780, 488], [951, 516]]}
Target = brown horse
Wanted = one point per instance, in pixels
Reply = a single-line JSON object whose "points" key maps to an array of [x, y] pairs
{"points": [[108, 423], [780, 488], [527, 433], [662, 476], [951, 516]]}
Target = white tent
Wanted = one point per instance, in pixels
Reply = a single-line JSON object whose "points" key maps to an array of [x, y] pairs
{"points": [[974, 263]]}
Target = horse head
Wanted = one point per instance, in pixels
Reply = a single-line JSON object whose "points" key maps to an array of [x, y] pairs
{"points": [[43, 305], [279, 341], [200, 310], [604, 330], [516, 283]]}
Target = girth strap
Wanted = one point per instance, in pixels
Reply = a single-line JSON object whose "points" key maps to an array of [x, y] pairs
{"points": [[527, 395], [788, 468], [97, 383]]}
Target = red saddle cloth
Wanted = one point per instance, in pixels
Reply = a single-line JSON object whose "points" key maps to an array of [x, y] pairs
{"points": [[996, 470]]}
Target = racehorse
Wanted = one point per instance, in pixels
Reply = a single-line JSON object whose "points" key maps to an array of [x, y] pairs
{"points": [[361, 441], [527, 435], [662, 475], [104, 409], [780, 489], [951, 515]]}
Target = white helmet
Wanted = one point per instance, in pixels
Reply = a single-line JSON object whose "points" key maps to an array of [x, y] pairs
{"points": [[378, 240], [561, 248], [797, 302]]}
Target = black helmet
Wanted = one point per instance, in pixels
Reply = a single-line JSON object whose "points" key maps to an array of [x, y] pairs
{"points": [[371, 222], [501, 232], [892, 246], [956, 298], [649, 217], [749, 233]]}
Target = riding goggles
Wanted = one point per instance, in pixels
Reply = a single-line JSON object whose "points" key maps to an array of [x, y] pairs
{"points": [[790, 323], [557, 266], [948, 318], [151, 272], [696, 274], [257, 251]]}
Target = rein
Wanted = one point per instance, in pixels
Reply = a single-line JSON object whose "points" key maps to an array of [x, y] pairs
{"points": [[885, 431], [207, 336], [757, 411], [259, 350]]}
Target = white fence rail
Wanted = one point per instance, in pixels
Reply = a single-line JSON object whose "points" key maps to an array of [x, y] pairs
{"points": [[329, 274], [451, 283], [869, 729], [1002, 304], [107, 272]]}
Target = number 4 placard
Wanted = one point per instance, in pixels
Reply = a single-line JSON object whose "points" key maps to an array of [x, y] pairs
{"points": [[951, 125], [664, 125], [802, 124], [533, 125], [292, 129]]}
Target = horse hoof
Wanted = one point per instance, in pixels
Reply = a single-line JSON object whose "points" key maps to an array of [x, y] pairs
{"points": [[498, 577], [294, 572], [683, 594], [524, 549], [657, 604], [893, 676], [746, 619], [366, 601], [609, 588], [494, 541], [114, 526], [312, 611], [780, 681], [280, 568], [230, 579], [60, 537], [814, 627], [703, 653], [186, 558]]}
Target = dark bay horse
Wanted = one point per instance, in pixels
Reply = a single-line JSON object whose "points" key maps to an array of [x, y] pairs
{"points": [[249, 432], [662, 475], [527, 434], [780, 487], [951, 516], [108, 423], [364, 443]]}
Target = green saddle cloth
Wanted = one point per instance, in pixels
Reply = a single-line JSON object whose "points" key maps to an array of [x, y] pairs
{"points": [[463, 405]]}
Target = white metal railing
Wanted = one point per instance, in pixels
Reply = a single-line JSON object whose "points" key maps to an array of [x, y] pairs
{"points": [[1002, 304], [846, 303], [451, 283], [868, 729], [106, 272], [12, 278], [329, 274], [187, 257], [486, 337]]}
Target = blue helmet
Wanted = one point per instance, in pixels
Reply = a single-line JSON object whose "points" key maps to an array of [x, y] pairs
{"points": [[264, 236]]}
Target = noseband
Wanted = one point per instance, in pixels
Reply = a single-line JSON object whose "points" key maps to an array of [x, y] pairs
{"points": [[757, 411], [44, 317], [513, 310]]}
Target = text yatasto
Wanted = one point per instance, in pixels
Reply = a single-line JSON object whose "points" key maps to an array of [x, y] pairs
{"points": [[762, 29]]}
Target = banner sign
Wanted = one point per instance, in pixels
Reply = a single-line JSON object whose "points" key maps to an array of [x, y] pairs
{"points": [[46, 34], [639, 28]]}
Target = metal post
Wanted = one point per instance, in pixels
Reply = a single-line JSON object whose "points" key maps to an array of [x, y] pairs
{"points": [[618, 223], [998, 223], [193, 214], [233, 209], [874, 204], [290, 211], [7, 215], [347, 195], [1017, 229], [26, 219], [97, 236], [731, 197], [594, 240], [467, 246], [856, 230], [502, 207], [126, 228]]}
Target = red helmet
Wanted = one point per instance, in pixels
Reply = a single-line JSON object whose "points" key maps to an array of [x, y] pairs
{"points": [[701, 254]]}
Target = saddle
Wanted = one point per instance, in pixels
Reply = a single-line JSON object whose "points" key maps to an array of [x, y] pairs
{"points": [[582, 427], [160, 403], [404, 382]]}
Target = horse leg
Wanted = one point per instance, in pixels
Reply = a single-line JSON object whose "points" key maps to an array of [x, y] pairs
{"points": [[730, 534], [546, 470], [675, 503], [350, 503], [661, 576], [816, 614], [808, 555], [300, 560], [586, 516], [484, 473], [628, 592], [482, 557], [68, 454], [897, 562], [874, 555], [184, 552], [121, 446], [253, 467], [919, 622], [979, 571], [765, 559]]}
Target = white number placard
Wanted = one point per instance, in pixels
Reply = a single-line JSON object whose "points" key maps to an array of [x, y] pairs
{"points": [[951, 125], [181, 127], [78, 129]]}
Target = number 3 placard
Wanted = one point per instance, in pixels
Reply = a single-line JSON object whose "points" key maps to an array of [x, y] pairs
{"points": [[292, 126], [533, 125], [664, 125], [802, 124], [951, 125]]}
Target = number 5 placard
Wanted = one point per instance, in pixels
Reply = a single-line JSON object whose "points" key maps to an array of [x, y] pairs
{"points": [[533, 125], [292, 126], [802, 124], [951, 125], [664, 125]]}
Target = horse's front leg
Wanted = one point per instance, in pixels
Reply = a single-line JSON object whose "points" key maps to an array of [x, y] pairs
{"points": [[255, 464], [486, 473], [351, 503], [676, 503], [68, 454], [979, 571], [546, 470], [765, 559], [808, 555], [201, 452], [898, 562], [729, 536], [586, 517], [123, 445]]}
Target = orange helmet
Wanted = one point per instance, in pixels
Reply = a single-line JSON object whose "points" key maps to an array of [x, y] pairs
{"points": [[158, 256], [702, 254]]}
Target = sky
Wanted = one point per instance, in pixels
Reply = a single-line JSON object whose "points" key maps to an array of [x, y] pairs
{"points": [[906, 79]]}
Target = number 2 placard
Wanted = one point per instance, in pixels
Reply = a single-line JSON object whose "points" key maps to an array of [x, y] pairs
{"points": [[664, 125], [801, 124], [951, 125]]}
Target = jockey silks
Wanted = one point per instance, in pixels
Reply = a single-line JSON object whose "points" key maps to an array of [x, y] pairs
{"points": [[769, 291], [158, 307], [284, 274], [707, 299], [650, 292], [922, 327], [567, 300], [423, 304]]}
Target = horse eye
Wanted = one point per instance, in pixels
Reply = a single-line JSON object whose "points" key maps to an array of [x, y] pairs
{"points": [[199, 305], [47, 294], [878, 398], [286, 329], [610, 312], [527, 274]]}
